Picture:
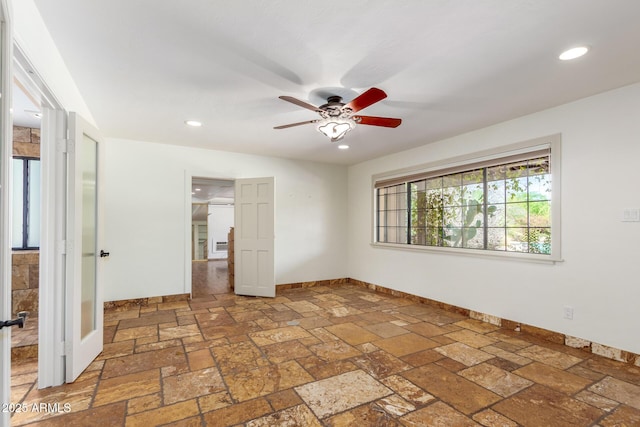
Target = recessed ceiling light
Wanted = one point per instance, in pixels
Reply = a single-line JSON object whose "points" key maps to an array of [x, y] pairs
{"points": [[573, 53], [343, 146], [198, 189], [193, 123]]}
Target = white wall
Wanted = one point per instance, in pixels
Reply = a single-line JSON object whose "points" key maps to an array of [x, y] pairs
{"points": [[599, 275], [219, 221], [144, 215], [32, 37]]}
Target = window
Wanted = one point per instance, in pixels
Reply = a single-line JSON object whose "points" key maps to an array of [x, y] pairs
{"points": [[26, 203], [499, 203]]}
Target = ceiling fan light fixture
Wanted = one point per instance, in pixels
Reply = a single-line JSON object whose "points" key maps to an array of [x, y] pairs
{"points": [[335, 128]]}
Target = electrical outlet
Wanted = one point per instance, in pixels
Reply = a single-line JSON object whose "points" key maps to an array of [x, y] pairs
{"points": [[568, 312]]}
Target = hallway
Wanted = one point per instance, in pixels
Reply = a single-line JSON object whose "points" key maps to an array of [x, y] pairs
{"points": [[327, 356], [209, 278]]}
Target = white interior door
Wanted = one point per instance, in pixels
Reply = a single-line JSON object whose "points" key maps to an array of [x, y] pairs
{"points": [[84, 310], [254, 237], [5, 212]]}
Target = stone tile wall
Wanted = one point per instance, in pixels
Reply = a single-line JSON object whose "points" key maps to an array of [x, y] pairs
{"points": [[25, 264], [26, 142], [25, 272]]}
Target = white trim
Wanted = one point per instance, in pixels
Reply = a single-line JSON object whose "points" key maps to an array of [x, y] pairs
{"points": [[6, 151], [475, 157], [551, 141], [51, 368]]}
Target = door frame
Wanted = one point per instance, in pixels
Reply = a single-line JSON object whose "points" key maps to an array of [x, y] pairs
{"points": [[6, 151], [188, 179], [53, 134]]}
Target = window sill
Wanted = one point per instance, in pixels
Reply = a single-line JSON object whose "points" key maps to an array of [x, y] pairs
{"points": [[511, 256]]}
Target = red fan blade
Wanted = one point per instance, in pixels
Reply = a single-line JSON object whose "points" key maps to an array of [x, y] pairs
{"points": [[299, 103], [387, 122], [367, 98], [296, 124]]}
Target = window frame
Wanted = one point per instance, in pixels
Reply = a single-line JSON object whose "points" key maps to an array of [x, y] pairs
{"points": [[26, 190], [471, 161]]}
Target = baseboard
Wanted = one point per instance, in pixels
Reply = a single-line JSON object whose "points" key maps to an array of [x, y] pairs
{"points": [[523, 328], [144, 302]]}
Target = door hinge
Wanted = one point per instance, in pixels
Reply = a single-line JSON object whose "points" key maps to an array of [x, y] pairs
{"points": [[65, 348], [64, 145]]}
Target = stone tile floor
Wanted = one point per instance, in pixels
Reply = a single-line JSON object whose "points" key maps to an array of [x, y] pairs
{"points": [[327, 356]]}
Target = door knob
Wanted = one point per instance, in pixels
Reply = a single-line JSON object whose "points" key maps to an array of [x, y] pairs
{"points": [[103, 253], [20, 321]]}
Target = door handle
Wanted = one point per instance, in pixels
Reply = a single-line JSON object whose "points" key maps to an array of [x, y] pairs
{"points": [[20, 321], [103, 253]]}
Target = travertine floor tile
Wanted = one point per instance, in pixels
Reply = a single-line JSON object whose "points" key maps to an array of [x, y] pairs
{"points": [[409, 391], [402, 345], [490, 418], [386, 329], [273, 336], [549, 357], [336, 394], [352, 334], [327, 356], [471, 338], [299, 415], [462, 394], [186, 386], [495, 379], [246, 385], [542, 406], [238, 356], [164, 415], [623, 416], [125, 387], [438, 414], [551, 377], [380, 364], [618, 390], [464, 354]]}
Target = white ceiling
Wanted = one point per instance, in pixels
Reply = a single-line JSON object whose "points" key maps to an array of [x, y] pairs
{"points": [[25, 109], [447, 66]]}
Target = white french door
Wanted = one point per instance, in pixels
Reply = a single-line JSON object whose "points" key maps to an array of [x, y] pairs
{"points": [[84, 301], [254, 237]]}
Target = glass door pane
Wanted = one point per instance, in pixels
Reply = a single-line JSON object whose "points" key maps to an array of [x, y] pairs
{"points": [[89, 240]]}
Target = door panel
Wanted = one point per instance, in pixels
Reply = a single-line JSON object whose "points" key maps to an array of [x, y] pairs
{"points": [[254, 237], [84, 311]]}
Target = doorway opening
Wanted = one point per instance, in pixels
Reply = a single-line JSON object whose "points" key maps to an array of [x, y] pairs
{"points": [[26, 221], [212, 220]]}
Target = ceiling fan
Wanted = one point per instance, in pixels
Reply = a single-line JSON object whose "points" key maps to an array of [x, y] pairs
{"points": [[338, 118]]}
